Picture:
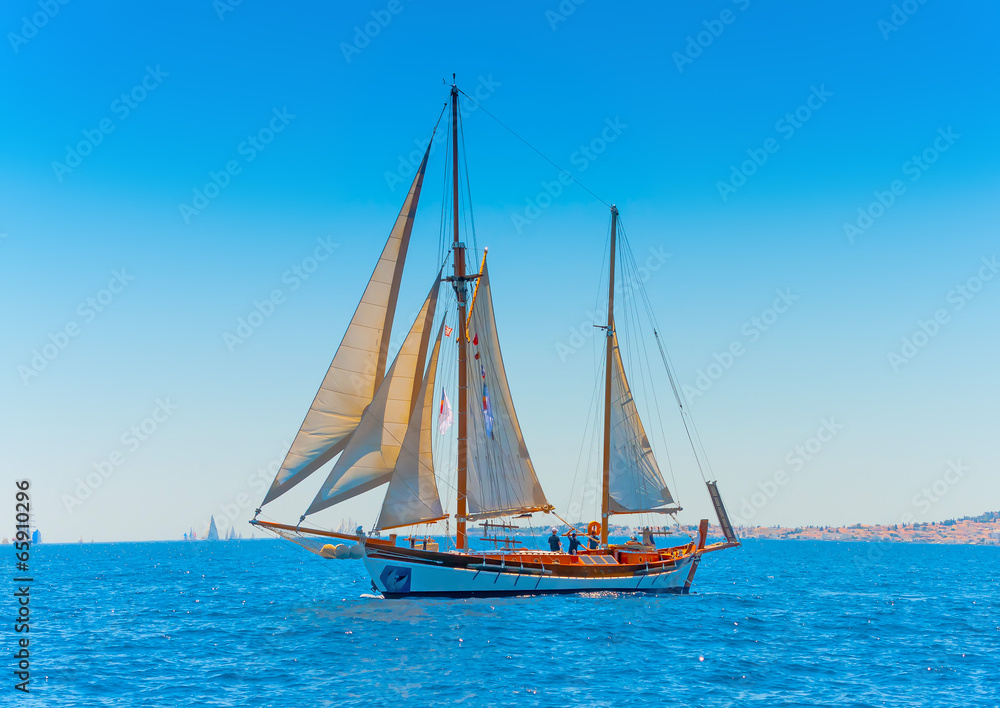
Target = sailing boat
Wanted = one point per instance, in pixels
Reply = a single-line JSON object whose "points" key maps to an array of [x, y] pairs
{"points": [[213, 531], [374, 420]]}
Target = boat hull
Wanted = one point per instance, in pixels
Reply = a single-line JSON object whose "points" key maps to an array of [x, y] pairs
{"points": [[397, 578]]}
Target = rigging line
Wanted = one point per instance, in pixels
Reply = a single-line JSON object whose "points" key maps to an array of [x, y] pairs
{"points": [[689, 428], [670, 466], [468, 185], [442, 235], [583, 443], [633, 353], [444, 376], [634, 276], [440, 116], [598, 346], [511, 131]]}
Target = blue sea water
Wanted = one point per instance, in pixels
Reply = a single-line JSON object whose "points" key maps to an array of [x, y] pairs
{"points": [[264, 623]]}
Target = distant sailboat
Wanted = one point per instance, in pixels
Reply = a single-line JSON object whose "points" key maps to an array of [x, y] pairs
{"points": [[36, 536], [213, 532], [374, 419]]}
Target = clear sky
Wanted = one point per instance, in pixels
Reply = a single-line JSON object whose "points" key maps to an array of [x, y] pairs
{"points": [[739, 138]]}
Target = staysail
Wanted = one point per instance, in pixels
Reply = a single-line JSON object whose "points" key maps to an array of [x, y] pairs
{"points": [[358, 366], [635, 482], [412, 496], [370, 454], [501, 478]]}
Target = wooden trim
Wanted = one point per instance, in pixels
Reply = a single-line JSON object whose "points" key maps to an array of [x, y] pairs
{"points": [[417, 523], [319, 532], [517, 563], [669, 510]]}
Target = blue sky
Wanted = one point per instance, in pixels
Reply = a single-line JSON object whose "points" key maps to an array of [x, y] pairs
{"points": [[844, 101]]}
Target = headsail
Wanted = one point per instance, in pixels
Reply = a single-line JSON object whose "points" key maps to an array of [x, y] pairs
{"points": [[358, 366], [501, 478], [371, 452], [635, 481], [412, 496]]}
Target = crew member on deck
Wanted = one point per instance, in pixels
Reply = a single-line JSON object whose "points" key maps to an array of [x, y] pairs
{"points": [[555, 545], [647, 537], [574, 543], [593, 541]]}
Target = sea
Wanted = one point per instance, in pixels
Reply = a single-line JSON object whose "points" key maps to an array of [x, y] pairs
{"points": [[265, 623]]}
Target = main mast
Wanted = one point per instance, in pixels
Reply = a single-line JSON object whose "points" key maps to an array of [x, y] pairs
{"points": [[610, 330], [463, 384]]}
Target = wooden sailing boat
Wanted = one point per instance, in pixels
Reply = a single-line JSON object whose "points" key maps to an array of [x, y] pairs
{"points": [[375, 422]]}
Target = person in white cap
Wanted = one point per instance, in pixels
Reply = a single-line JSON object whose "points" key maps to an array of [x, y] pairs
{"points": [[555, 544]]}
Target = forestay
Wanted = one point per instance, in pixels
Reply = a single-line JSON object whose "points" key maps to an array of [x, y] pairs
{"points": [[358, 366]]}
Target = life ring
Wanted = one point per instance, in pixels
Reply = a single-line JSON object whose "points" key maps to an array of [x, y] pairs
{"points": [[593, 528]]}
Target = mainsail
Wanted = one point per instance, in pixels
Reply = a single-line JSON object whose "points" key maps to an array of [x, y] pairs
{"points": [[501, 478], [370, 455], [358, 366], [412, 496], [635, 482]]}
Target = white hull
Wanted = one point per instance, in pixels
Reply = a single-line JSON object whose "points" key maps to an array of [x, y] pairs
{"points": [[402, 578]]}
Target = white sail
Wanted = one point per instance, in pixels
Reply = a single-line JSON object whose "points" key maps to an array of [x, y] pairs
{"points": [[358, 366], [213, 532], [370, 454], [501, 478], [412, 496], [635, 481]]}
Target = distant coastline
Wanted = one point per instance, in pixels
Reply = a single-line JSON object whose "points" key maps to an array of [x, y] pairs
{"points": [[978, 530]]}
